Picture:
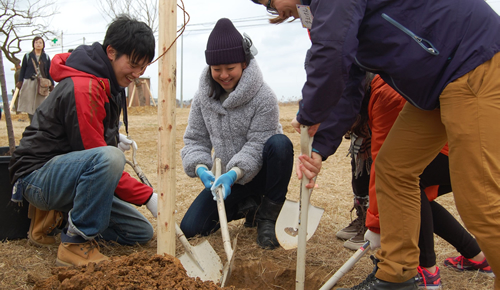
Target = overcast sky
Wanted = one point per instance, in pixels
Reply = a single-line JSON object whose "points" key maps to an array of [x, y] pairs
{"points": [[281, 47]]}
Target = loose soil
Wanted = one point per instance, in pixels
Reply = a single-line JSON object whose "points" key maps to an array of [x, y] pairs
{"points": [[23, 266]]}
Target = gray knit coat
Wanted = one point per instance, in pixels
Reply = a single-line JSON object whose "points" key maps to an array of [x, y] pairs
{"points": [[236, 129]]}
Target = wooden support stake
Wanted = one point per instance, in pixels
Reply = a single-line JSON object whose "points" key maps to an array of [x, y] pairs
{"points": [[166, 130], [132, 97], [150, 93]]}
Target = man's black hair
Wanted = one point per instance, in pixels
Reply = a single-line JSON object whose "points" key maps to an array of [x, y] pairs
{"points": [[130, 37]]}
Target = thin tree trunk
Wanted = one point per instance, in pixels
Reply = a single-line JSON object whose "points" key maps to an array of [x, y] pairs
{"points": [[5, 99]]}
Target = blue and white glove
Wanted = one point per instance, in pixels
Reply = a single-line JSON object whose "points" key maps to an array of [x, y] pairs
{"points": [[206, 176], [124, 143], [226, 180], [152, 204]]}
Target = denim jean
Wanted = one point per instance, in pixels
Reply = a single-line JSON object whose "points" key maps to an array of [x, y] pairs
{"points": [[82, 183], [272, 181]]}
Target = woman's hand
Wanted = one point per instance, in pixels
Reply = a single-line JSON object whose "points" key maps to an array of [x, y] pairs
{"points": [[312, 129], [310, 167]]}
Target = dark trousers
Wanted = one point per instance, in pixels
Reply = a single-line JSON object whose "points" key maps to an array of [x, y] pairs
{"points": [[272, 181], [436, 219], [361, 183]]}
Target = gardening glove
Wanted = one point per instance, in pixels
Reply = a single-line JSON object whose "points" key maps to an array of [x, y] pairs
{"points": [[206, 176], [124, 143], [19, 85], [152, 204], [374, 239], [226, 180]]}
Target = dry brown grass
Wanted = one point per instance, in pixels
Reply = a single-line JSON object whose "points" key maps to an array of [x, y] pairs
{"points": [[254, 268]]}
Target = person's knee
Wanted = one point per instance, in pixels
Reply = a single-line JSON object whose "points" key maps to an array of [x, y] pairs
{"points": [[279, 145], [147, 234], [112, 157]]}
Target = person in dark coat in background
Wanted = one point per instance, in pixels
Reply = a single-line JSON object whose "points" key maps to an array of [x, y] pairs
{"points": [[34, 63]]}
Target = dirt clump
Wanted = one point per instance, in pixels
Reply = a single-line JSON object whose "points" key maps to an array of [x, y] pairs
{"points": [[136, 271]]}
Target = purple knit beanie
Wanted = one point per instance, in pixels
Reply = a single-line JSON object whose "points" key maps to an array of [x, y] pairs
{"points": [[225, 44]]}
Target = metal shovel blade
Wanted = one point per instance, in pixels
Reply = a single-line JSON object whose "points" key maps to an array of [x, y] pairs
{"points": [[207, 266], [288, 222]]}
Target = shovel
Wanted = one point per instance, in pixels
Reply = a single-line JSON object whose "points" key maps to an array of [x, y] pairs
{"points": [[228, 267], [305, 194], [199, 261], [346, 267], [287, 224]]}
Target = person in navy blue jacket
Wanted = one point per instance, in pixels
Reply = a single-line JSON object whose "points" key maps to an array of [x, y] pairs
{"points": [[442, 57]]}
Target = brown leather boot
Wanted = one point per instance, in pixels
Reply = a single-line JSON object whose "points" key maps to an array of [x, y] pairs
{"points": [[42, 224], [75, 251]]}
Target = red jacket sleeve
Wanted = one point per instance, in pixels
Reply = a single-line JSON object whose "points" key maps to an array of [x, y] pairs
{"points": [[90, 102]]}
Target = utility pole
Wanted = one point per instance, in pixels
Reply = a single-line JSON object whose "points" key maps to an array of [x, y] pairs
{"points": [[166, 122]]}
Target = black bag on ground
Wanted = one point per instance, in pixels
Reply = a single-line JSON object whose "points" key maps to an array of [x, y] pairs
{"points": [[14, 221]]}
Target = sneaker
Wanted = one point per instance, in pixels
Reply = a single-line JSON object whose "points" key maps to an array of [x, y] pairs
{"points": [[461, 263], [356, 225], [357, 241], [373, 283], [427, 280]]}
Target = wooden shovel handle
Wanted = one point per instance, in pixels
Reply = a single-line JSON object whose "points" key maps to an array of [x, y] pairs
{"points": [[305, 148], [222, 214]]}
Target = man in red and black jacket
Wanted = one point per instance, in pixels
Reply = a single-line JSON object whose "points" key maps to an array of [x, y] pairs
{"points": [[68, 158]]}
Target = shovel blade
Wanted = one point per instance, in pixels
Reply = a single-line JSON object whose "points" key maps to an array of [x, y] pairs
{"points": [[288, 222], [211, 265]]}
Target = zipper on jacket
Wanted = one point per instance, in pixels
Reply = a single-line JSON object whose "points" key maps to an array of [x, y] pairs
{"points": [[424, 43]]}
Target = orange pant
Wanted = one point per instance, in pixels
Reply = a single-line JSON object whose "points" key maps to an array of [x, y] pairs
{"points": [[468, 119]]}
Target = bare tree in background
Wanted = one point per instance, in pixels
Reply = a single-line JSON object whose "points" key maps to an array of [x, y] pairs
{"points": [[19, 21], [143, 10], [22, 20]]}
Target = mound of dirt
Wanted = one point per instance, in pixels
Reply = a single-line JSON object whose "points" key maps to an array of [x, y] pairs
{"points": [[136, 271]]}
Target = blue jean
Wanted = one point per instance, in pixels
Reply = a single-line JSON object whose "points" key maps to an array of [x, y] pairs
{"points": [[272, 181], [82, 183]]}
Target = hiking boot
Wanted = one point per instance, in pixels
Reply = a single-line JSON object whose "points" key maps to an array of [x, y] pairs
{"points": [[361, 206], [357, 241], [43, 223], [461, 263], [427, 280], [266, 222], [373, 283], [76, 251]]}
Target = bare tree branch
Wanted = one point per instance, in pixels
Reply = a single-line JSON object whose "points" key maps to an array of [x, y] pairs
{"points": [[21, 21], [143, 10]]}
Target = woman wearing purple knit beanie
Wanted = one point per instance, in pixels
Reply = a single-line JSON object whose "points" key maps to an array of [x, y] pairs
{"points": [[235, 115]]}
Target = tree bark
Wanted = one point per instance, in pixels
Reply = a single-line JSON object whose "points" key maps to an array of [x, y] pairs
{"points": [[5, 99]]}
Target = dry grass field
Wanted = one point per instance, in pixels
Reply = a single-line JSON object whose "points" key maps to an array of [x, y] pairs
{"points": [[21, 263]]}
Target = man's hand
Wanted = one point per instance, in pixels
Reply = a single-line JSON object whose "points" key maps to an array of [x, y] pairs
{"points": [[310, 167], [312, 129], [152, 204], [19, 85], [124, 143], [226, 180], [206, 176]]}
